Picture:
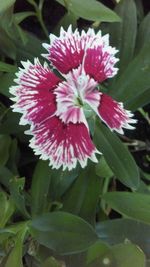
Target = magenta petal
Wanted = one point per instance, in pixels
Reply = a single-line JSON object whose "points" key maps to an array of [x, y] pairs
{"points": [[114, 115], [63, 144], [99, 62], [66, 52], [34, 93]]}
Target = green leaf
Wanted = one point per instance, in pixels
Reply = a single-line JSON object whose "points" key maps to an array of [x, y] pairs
{"points": [[61, 181], [143, 33], [5, 142], [97, 251], [7, 67], [20, 16], [40, 188], [6, 210], [51, 262], [123, 34], [117, 156], [7, 47], [90, 10], [128, 255], [118, 230], [132, 205], [6, 82], [15, 256], [16, 189], [10, 124], [6, 4], [102, 169], [122, 255], [135, 80], [82, 197], [63, 232], [139, 101], [65, 21]]}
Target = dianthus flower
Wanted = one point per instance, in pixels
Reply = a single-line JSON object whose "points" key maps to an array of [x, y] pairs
{"points": [[55, 99]]}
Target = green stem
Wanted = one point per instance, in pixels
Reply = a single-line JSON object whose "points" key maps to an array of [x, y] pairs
{"points": [[38, 10]]}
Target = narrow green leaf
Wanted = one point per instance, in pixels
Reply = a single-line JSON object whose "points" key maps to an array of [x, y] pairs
{"points": [[6, 4], [6, 82], [118, 230], [7, 67], [82, 197], [117, 156], [139, 101], [5, 142], [7, 47], [20, 16], [6, 210], [63, 232], [135, 80], [15, 256], [16, 189], [123, 34], [132, 205], [143, 36], [91, 10], [40, 187]]}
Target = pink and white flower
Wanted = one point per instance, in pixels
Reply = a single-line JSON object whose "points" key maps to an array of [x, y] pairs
{"points": [[55, 106]]}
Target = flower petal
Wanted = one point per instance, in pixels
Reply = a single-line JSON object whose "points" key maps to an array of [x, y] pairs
{"points": [[100, 59], [34, 93], [63, 144], [114, 115], [67, 51]]}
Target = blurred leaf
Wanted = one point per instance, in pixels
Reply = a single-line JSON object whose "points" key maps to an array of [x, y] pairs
{"points": [[128, 255], [117, 156], [65, 21], [20, 16], [102, 169], [7, 47], [5, 176], [6, 82], [7, 67], [16, 190], [143, 33], [63, 232], [61, 181], [40, 187], [15, 256], [10, 123], [6, 4], [118, 230], [51, 262], [140, 10], [6, 208], [5, 142], [82, 197], [122, 255], [96, 251], [139, 101], [123, 34], [90, 10], [132, 205], [135, 80], [27, 50], [13, 156]]}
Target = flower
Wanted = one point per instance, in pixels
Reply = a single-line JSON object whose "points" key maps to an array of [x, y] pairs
{"points": [[56, 106]]}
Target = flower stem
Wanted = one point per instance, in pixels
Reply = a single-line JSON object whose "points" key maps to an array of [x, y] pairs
{"points": [[38, 9]]}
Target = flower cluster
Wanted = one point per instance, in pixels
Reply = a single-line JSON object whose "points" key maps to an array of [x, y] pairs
{"points": [[55, 106]]}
